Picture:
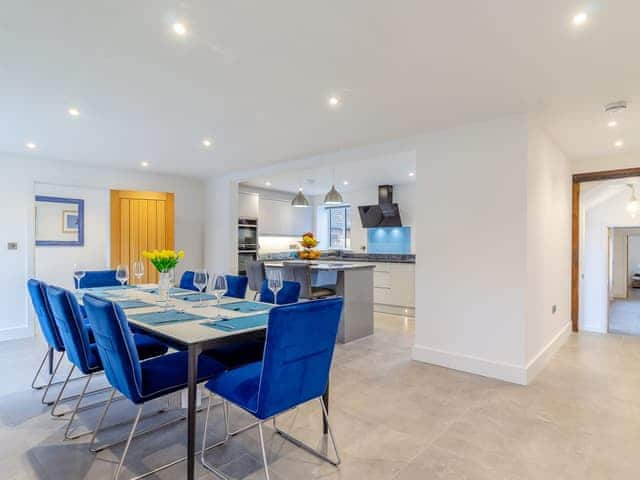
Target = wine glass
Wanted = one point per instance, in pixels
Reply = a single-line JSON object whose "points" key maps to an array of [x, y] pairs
{"points": [[274, 281], [218, 287], [200, 280], [122, 274], [138, 270], [78, 274]]}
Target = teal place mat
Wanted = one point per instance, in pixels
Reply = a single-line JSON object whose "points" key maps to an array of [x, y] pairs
{"points": [[194, 297], [246, 307], [172, 291], [134, 304], [238, 323], [166, 317], [106, 289]]}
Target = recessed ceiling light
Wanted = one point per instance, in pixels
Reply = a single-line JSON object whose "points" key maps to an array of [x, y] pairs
{"points": [[179, 29], [346, 182], [411, 174], [619, 144], [74, 112], [267, 183], [31, 145], [334, 101], [612, 123], [580, 18], [207, 143], [144, 164]]}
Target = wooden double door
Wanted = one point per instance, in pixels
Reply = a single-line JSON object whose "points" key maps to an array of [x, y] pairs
{"points": [[140, 221]]}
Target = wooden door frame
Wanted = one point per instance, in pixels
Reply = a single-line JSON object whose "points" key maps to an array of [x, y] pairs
{"points": [[578, 179]]}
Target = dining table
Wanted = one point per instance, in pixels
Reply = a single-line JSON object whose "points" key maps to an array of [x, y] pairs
{"points": [[188, 320]]}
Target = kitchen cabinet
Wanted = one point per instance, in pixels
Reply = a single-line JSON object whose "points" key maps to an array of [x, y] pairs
{"points": [[248, 205], [278, 217]]}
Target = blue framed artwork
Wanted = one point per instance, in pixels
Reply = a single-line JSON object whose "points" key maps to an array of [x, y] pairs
{"points": [[59, 222]]}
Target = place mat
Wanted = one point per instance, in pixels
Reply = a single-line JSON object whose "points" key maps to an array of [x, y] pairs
{"points": [[134, 304], [106, 289], [238, 323], [246, 307], [193, 297], [172, 291], [166, 317]]}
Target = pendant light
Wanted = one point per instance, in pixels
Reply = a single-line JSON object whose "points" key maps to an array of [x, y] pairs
{"points": [[333, 197], [633, 205], [300, 201]]}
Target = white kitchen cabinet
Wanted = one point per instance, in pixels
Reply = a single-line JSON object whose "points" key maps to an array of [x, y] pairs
{"points": [[403, 281], [278, 217], [248, 205]]}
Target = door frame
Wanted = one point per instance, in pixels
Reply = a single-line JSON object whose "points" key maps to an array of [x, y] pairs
{"points": [[577, 180]]}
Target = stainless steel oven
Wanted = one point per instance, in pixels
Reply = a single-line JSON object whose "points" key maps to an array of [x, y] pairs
{"points": [[243, 258], [247, 234]]}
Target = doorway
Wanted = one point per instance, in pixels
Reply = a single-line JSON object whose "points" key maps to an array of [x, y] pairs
{"points": [[140, 221], [624, 281]]}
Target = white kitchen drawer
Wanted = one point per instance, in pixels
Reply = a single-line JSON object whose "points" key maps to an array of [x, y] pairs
{"points": [[382, 295], [381, 279]]}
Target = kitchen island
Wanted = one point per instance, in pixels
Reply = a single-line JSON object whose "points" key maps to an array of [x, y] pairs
{"points": [[354, 283]]}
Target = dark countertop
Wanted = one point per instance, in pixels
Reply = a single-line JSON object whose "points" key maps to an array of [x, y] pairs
{"points": [[336, 256]]}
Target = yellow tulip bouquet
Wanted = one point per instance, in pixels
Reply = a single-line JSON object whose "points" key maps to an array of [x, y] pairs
{"points": [[164, 260]]}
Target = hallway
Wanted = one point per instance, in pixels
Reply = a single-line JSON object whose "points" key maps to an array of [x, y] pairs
{"points": [[624, 314]]}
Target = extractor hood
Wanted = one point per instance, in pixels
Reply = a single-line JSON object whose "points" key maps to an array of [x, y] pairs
{"points": [[384, 214]]}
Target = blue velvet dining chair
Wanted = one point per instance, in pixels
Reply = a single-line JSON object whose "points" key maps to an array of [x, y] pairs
{"points": [[97, 278], [290, 293], [236, 286], [295, 369], [139, 381], [186, 281], [80, 351]]}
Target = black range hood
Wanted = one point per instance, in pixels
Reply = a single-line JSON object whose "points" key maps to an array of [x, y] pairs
{"points": [[385, 214]]}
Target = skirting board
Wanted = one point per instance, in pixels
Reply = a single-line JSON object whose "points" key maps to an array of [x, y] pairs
{"points": [[487, 368], [16, 333]]}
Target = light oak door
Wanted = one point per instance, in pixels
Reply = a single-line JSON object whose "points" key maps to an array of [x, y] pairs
{"points": [[140, 221]]}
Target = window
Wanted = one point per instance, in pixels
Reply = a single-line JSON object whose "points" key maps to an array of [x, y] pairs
{"points": [[340, 227]]}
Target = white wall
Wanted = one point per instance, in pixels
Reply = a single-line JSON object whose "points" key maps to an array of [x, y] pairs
{"points": [[21, 175], [634, 255], [221, 220], [619, 263], [609, 162], [548, 250], [470, 302], [594, 266]]}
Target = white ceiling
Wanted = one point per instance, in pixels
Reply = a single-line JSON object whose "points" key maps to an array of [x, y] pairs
{"points": [[255, 76], [393, 169]]}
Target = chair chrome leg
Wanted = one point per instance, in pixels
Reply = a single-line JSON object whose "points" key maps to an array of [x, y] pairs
{"points": [[211, 468], [126, 447], [75, 411], [312, 450], [33, 382], [100, 420], [264, 452], [64, 385], [43, 400]]}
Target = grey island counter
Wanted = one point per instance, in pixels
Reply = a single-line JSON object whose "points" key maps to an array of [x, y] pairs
{"points": [[353, 282]]}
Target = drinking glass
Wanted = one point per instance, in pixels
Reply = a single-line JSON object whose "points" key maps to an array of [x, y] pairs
{"points": [[78, 274], [274, 281], [138, 270], [122, 274], [200, 280], [218, 287]]}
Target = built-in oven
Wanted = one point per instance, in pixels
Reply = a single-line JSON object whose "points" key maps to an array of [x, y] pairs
{"points": [[247, 234], [243, 258]]}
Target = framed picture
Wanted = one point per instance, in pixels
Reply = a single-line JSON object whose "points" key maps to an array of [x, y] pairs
{"points": [[50, 212], [70, 221]]}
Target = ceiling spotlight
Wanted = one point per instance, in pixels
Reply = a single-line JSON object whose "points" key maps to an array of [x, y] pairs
{"points": [[411, 174], [31, 145], [619, 144], [207, 143], [612, 124], [580, 18], [346, 182], [267, 183], [74, 112], [144, 164], [334, 101], [179, 29]]}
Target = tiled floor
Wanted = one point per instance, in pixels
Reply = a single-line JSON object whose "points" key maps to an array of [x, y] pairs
{"points": [[624, 315], [394, 419]]}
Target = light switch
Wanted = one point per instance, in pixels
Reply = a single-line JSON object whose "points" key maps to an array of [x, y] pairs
{"points": [[12, 245]]}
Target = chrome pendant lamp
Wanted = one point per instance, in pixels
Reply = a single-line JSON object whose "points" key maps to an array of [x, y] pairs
{"points": [[300, 201], [333, 196]]}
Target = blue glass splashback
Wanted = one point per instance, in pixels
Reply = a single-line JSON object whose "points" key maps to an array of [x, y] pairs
{"points": [[389, 240]]}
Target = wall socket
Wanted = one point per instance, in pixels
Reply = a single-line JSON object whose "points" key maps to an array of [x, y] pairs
{"points": [[554, 309], [12, 245]]}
